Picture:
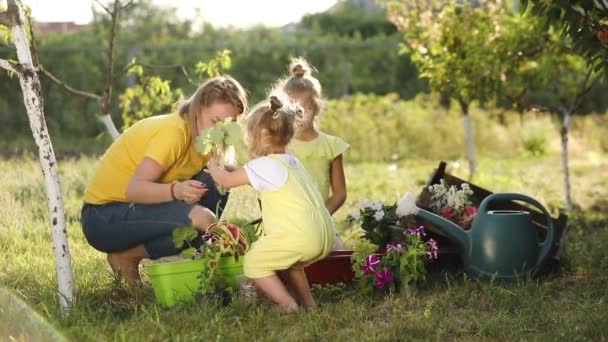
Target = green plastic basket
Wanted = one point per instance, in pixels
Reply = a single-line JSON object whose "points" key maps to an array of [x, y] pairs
{"points": [[177, 282]]}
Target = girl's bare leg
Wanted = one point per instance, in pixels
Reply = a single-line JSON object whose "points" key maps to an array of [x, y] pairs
{"points": [[273, 288], [296, 278]]}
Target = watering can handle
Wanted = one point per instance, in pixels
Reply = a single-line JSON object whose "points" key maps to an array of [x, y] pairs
{"points": [[545, 246]]}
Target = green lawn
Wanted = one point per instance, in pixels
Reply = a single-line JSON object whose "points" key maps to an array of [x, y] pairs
{"points": [[571, 304]]}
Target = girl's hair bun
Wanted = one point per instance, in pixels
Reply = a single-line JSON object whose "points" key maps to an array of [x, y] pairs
{"points": [[275, 103], [299, 67]]}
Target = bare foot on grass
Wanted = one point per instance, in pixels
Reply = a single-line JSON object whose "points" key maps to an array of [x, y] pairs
{"points": [[288, 308], [125, 266]]}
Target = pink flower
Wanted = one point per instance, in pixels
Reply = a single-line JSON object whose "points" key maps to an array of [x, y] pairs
{"points": [[394, 247], [210, 239], [470, 211], [448, 212], [418, 231], [370, 264], [383, 278], [469, 214], [432, 249]]}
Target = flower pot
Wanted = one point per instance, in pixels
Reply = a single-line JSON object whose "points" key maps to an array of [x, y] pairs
{"points": [[335, 268], [177, 282]]}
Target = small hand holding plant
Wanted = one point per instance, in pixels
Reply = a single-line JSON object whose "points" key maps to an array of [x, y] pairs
{"points": [[223, 142]]}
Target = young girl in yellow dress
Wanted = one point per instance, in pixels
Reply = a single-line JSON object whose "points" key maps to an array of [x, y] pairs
{"points": [[320, 153], [298, 228]]}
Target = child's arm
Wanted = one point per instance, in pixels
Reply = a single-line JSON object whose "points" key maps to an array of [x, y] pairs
{"points": [[338, 185], [227, 179]]}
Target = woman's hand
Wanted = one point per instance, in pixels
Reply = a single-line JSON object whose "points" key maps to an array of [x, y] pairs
{"points": [[190, 191]]}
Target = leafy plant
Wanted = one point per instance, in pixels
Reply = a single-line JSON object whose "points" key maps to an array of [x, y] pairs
{"points": [[221, 139], [402, 265], [222, 239], [379, 222], [152, 95], [583, 22], [214, 67]]}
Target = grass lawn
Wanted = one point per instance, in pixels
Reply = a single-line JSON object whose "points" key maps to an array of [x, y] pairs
{"points": [[570, 304]]}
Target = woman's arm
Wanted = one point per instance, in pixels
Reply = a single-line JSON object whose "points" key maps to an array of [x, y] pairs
{"points": [[144, 187], [338, 185], [227, 179]]}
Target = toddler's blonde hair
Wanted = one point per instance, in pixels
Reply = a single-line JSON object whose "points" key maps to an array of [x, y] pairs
{"points": [[271, 125]]}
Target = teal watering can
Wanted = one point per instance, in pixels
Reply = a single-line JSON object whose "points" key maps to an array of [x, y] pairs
{"points": [[501, 244]]}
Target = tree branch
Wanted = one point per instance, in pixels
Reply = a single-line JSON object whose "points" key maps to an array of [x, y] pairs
{"points": [[583, 90], [33, 49], [10, 17], [105, 8], [66, 87], [8, 66], [107, 97], [127, 5]]}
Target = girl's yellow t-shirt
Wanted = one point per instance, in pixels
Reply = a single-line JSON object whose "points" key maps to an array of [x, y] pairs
{"points": [[164, 138], [317, 155]]}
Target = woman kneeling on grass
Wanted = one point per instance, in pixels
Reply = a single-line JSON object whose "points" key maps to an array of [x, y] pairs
{"points": [[150, 181], [298, 229]]}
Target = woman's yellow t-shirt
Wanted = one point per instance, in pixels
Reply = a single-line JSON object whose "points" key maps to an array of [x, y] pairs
{"points": [[164, 138], [317, 155]]}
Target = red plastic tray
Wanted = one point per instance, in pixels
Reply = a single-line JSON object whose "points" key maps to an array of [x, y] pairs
{"points": [[335, 268]]}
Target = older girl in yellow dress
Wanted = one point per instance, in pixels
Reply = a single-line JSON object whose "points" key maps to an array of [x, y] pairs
{"points": [[298, 228], [320, 153]]}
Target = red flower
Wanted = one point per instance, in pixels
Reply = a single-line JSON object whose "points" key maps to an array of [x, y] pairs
{"points": [[470, 211], [469, 214], [447, 212], [234, 231]]}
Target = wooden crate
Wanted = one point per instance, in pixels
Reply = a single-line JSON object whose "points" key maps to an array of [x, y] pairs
{"points": [[560, 224]]}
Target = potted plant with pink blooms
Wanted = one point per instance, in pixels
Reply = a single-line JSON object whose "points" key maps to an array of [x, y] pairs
{"points": [[392, 253]]}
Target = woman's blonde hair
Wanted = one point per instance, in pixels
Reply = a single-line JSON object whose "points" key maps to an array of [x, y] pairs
{"points": [[271, 125], [301, 81], [218, 89]]}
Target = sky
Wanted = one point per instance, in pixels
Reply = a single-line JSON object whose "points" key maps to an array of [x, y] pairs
{"points": [[221, 13]]}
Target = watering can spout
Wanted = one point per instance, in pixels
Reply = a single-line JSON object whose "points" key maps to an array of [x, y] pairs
{"points": [[407, 206]]}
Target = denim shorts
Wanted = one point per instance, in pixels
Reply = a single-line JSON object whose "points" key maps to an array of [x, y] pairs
{"points": [[118, 226]]}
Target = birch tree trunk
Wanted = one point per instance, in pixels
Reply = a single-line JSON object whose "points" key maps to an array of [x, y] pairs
{"points": [[107, 121], [468, 136], [564, 131], [32, 98]]}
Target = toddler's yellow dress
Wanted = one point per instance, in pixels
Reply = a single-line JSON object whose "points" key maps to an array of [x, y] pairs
{"points": [[298, 229]]}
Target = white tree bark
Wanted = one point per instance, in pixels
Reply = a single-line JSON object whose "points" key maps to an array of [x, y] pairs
{"points": [[32, 98], [565, 163], [468, 136], [106, 119]]}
